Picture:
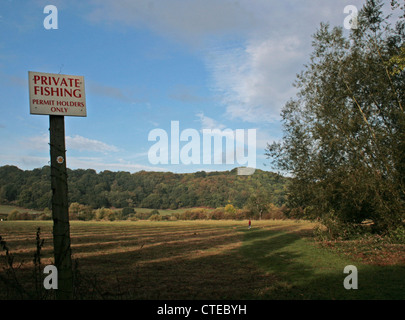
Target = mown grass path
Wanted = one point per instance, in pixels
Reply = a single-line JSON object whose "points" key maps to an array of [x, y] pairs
{"points": [[304, 270]]}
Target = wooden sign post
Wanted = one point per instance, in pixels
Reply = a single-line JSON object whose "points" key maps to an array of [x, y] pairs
{"points": [[59, 96], [60, 208]]}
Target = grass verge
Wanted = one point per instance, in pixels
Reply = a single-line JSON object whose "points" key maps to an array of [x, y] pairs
{"points": [[303, 269]]}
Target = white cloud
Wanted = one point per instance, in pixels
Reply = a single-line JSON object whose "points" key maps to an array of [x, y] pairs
{"points": [[186, 94], [209, 123], [26, 162], [100, 164], [197, 20], [84, 144], [255, 82], [78, 143], [189, 21], [38, 143], [270, 43]]}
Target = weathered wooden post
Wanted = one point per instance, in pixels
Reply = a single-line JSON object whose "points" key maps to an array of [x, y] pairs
{"points": [[58, 96], [60, 208]]}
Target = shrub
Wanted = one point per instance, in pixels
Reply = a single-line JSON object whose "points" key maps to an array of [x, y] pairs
{"points": [[242, 214], [274, 213], [397, 235], [111, 216], [155, 217], [132, 217], [333, 228], [127, 211], [218, 214], [198, 214], [44, 216], [13, 214], [104, 214], [73, 216], [86, 213], [16, 215]]}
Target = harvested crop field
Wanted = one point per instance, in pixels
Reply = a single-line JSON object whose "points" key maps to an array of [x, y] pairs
{"points": [[195, 260]]}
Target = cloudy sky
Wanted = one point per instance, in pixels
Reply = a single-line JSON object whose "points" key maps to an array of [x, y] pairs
{"points": [[208, 64]]}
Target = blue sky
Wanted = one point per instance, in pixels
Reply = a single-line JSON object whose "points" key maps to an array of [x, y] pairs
{"points": [[207, 64]]}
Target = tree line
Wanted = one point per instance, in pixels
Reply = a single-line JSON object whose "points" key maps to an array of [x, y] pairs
{"points": [[156, 190]]}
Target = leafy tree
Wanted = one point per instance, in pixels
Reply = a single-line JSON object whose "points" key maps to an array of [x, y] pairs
{"points": [[127, 211], [257, 204], [344, 134], [230, 211]]}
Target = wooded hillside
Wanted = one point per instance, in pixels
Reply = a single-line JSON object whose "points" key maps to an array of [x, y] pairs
{"points": [[159, 190]]}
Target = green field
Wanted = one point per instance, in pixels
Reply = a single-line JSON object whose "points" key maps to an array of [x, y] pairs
{"points": [[203, 260], [162, 212], [6, 209]]}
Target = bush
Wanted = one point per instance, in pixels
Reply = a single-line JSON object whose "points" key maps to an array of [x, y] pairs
{"points": [[132, 217], [82, 212], [229, 208], [13, 214], [16, 215], [397, 235], [155, 217], [127, 211], [274, 213], [73, 216], [104, 214], [86, 213], [112, 216], [242, 214], [218, 214], [198, 214], [44, 216], [333, 228]]}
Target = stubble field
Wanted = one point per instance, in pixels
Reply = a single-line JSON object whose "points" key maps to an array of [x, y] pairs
{"points": [[200, 260]]}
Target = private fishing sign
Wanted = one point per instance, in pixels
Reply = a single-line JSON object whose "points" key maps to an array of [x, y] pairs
{"points": [[57, 94]]}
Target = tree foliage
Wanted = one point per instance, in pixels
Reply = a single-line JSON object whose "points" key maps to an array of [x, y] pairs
{"points": [[156, 190], [344, 133]]}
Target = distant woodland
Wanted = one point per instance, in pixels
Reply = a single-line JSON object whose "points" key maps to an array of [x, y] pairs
{"points": [[157, 190]]}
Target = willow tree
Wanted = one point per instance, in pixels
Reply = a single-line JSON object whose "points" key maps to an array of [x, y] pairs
{"points": [[344, 133]]}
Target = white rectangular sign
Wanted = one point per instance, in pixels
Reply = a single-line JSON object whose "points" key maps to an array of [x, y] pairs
{"points": [[57, 94]]}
